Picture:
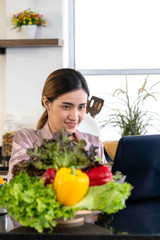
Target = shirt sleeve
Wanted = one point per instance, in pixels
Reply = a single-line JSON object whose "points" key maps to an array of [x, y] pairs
{"points": [[21, 142], [101, 152]]}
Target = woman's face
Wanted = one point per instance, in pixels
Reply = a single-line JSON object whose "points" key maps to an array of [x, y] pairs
{"points": [[68, 110]]}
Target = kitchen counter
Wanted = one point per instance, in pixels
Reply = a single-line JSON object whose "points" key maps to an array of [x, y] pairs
{"points": [[138, 221], [84, 232]]}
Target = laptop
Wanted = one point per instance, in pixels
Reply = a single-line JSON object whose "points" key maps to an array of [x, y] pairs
{"points": [[138, 157]]}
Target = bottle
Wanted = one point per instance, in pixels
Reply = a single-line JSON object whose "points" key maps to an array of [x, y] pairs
{"points": [[8, 131]]}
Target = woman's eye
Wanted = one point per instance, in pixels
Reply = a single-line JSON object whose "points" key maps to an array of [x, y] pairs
{"points": [[82, 107], [66, 107]]}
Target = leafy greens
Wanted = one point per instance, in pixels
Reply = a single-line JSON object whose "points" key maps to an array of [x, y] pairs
{"points": [[56, 153], [30, 203], [108, 198]]}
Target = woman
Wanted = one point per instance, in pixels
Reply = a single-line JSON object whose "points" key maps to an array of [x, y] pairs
{"points": [[64, 96]]}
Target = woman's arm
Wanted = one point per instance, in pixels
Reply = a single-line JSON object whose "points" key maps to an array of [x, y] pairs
{"points": [[22, 141]]}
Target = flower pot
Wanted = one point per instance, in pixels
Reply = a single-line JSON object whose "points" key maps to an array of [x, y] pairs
{"points": [[29, 31]]}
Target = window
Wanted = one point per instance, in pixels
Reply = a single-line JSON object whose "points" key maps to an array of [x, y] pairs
{"points": [[117, 35], [114, 38]]}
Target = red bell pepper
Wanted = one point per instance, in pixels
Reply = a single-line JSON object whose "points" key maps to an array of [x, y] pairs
{"points": [[99, 175], [49, 176]]}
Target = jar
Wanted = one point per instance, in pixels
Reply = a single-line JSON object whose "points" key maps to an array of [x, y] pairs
{"points": [[8, 131]]}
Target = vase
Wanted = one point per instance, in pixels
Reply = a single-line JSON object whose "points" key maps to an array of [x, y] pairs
{"points": [[29, 31]]}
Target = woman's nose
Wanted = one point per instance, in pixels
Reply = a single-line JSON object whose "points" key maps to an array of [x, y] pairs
{"points": [[73, 115]]}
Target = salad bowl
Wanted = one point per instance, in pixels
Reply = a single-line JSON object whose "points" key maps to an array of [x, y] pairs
{"points": [[79, 219]]}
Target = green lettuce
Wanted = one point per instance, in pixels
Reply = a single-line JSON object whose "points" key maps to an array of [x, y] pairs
{"points": [[30, 203], [55, 153], [108, 198]]}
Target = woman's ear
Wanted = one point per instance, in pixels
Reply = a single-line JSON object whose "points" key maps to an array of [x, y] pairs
{"points": [[45, 102]]}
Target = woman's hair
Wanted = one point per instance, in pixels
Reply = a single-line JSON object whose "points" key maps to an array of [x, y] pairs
{"points": [[59, 82]]}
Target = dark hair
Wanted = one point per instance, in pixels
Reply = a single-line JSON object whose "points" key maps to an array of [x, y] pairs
{"points": [[59, 82]]}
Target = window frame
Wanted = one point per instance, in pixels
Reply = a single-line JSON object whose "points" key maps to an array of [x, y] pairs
{"points": [[72, 60]]}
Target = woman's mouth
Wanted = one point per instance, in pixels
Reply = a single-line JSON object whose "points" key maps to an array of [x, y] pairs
{"points": [[71, 124]]}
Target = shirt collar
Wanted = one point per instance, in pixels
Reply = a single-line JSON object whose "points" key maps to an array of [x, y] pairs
{"points": [[80, 135], [46, 132]]}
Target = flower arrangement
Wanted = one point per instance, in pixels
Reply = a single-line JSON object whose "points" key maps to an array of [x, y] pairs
{"points": [[28, 17], [132, 118]]}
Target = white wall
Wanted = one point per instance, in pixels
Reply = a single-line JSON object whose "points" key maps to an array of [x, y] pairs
{"points": [[25, 69], [2, 66]]}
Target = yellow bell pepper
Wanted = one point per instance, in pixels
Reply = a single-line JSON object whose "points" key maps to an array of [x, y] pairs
{"points": [[70, 185], [1, 180]]}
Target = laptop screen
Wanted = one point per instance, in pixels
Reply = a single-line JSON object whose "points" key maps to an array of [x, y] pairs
{"points": [[138, 157]]}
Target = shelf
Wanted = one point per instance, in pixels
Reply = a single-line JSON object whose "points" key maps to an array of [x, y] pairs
{"points": [[17, 43]]}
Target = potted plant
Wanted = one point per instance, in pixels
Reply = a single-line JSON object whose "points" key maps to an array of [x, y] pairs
{"points": [[28, 19], [132, 118]]}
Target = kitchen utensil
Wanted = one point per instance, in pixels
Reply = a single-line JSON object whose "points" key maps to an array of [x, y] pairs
{"points": [[94, 106]]}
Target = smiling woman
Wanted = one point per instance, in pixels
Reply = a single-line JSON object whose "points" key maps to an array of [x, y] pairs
{"points": [[64, 97]]}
